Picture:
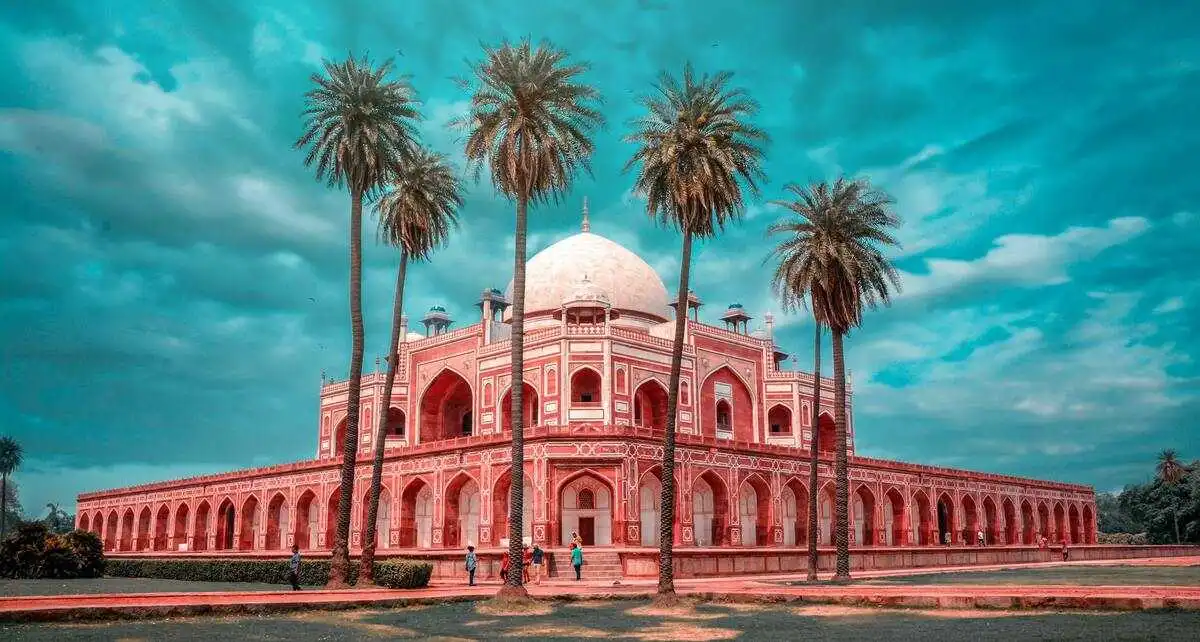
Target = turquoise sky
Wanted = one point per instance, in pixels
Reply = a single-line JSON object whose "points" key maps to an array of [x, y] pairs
{"points": [[174, 278]]}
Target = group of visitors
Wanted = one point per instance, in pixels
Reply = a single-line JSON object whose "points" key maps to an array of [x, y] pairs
{"points": [[533, 558]]}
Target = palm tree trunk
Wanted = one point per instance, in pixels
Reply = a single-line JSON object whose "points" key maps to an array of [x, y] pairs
{"points": [[666, 528], [366, 572], [842, 527], [814, 448], [339, 564], [516, 501]]}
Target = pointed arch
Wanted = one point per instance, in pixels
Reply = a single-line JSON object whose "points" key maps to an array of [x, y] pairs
{"points": [[1074, 533], [501, 490], [754, 510], [200, 529], [416, 514], [446, 407], [332, 508], [226, 521], [127, 530], [863, 501], [383, 517], [969, 525], [585, 386], [991, 526], [826, 500], [112, 531], [945, 518], [710, 508], [827, 431], [921, 519], [142, 542], [650, 404], [306, 529], [337, 443], [461, 500], [793, 504], [586, 502], [1011, 524], [396, 422], [1028, 522], [894, 527], [162, 523], [727, 405], [779, 420], [1089, 525], [179, 527], [529, 407], [1060, 518], [85, 522], [278, 522]]}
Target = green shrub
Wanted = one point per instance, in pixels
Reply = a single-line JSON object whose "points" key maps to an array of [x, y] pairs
{"points": [[88, 550], [1128, 539], [403, 574], [398, 573]]}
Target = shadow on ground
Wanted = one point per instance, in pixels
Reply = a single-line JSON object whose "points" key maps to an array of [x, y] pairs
{"points": [[1076, 575], [636, 620]]}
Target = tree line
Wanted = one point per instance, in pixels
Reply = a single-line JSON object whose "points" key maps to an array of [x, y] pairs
{"points": [[1163, 510], [12, 516], [697, 160]]}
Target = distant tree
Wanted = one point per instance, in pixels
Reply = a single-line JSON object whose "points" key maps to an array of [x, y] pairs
{"points": [[1171, 472], [14, 515], [57, 520], [11, 456], [358, 123], [1111, 516], [415, 216]]}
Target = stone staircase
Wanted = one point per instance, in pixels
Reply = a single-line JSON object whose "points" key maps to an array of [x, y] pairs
{"points": [[598, 565]]}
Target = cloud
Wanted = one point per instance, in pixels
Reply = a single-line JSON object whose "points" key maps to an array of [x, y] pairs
{"points": [[1173, 304]]}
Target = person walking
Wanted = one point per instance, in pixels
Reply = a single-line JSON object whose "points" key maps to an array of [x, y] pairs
{"points": [[577, 560], [505, 566], [294, 568], [539, 557], [472, 564]]}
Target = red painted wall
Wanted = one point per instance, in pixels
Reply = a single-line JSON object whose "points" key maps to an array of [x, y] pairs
{"points": [[743, 408]]}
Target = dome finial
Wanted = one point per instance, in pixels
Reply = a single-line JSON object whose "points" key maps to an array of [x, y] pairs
{"points": [[586, 226]]}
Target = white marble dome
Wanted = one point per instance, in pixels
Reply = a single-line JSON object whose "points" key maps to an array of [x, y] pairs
{"points": [[554, 274]]}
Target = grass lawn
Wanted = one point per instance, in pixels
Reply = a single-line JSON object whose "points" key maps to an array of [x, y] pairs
{"points": [[14, 588], [1078, 575], [635, 620]]}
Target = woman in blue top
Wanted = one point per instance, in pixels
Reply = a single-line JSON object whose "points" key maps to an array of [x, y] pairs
{"points": [[472, 564], [577, 559]]}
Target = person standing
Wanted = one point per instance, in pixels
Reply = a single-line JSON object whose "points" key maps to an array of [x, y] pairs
{"points": [[980, 538], [505, 566], [294, 568], [539, 557], [577, 560], [472, 564], [526, 562]]}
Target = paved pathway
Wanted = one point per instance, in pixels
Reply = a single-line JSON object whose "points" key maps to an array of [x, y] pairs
{"points": [[767, 588]]}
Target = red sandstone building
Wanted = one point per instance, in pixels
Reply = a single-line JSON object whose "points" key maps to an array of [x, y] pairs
{"points": [[597, 353]]}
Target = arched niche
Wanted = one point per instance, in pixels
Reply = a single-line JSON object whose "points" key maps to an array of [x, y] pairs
{"points": [[446, 408]]}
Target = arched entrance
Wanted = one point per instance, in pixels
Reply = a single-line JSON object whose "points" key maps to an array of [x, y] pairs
{"points": [[1044, 520], [331, 517], [1011, 530], [586, 505], [990, 530], [825, 505], [1059, 523], [864, 517], [85, 522], [306, 533], [754, 512], [827, 435], [922, 527], [200, 528], [779, 421], [395, 423], [127, 530], [893, 518], [337, 447], [250, 525], [945, 518], [970, 526], [501, 492], [111, 541], [461, 522], [709, 504], [1027, 522], [383, 518], [162, 523], [585, 388], [446, 408], [726, 406], [226, 518], [277, 522], [1089, 525], [650, 405], [529, 408], [179, 534], [650, 509], [794, 504], [142, 543], [1073, 522], [416, 515]]}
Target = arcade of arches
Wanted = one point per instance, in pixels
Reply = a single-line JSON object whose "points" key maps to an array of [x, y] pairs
{"points": [[715, 507]]}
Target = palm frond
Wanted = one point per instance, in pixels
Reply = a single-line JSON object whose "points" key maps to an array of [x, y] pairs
{"points": [[419, 208]]}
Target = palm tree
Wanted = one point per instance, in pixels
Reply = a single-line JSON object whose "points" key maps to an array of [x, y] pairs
{"points": [[696, 149], [1171, 471], [832, 250], [416, 216], [11, 456], [529, 124], [358, 122]]}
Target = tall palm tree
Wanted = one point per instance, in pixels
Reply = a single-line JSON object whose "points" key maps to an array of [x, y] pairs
{"points": [[416, 216], [11, 456], [832, 249], [1171, 471], [358, 122], [697, 153], [530, 123]]}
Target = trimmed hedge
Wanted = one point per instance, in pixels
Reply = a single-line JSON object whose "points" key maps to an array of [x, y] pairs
{"points": [[1134, 539], [33, 552], [389, 573]]}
